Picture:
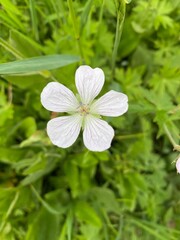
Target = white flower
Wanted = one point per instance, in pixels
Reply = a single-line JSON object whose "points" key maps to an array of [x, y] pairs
{"points": [[178, 165], [84, 111]]}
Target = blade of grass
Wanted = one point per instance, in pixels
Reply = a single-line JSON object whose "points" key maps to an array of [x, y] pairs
{"points": [[13, 13], [24, 41], [121, 9], [10, 49], [9, 211], [152, 230], [69, 224], [36, 64], [76, 28], [32, 8], [85, 14]]}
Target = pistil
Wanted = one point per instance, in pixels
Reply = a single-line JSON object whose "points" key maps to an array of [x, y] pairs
{"points": [[83, 109]]}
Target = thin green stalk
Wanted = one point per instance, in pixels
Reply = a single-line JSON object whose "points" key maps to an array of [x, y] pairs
{"points": [[100, 18], [175, 145], [121, 224], [10, 49], [129, 136], [9, 211], [121, 9], [154, 232], [32, 7], [76, 30], [44, 203]]}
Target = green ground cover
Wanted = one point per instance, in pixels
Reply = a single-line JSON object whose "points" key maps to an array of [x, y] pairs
{"points": [[129, 192]]}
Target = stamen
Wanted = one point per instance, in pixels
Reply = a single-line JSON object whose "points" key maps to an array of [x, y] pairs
{"points": [[83, 109]]}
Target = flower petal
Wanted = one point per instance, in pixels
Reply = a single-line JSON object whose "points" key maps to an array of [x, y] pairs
{"points": [[178, 165], [97, 134], [63, 131], [58, 98], [89, 82], [110, 104]]}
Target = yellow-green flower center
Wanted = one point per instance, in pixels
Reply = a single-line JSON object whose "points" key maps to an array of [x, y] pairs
{"points": [[83, 109]]}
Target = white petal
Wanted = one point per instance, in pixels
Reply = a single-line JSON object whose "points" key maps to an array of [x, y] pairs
{"points": [[89, 82], [110, 104], [58, 98], [63, 131], [97, 134], [178, 165]]}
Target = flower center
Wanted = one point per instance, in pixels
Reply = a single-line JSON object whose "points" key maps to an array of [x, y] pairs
{"points": [[83, 109]]}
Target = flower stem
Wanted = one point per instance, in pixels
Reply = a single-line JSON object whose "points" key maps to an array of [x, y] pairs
{"points": [[9, 211], [129, 136], [175, 145], [76, 30], [121, 9]]}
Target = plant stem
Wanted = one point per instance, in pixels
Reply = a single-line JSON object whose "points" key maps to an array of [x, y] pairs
{"points": [[76, 30], [129, 136], [9, 211], [121, 9], [175, 145]]}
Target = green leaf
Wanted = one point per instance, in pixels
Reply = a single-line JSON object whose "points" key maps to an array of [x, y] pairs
{"points": [[28, 126], [29, 81], [11, 14], [86, 213], [35, 64], [33, 177], [72, 174], [46, 205], [11, 155], [24, 44], [105, 198], [129, 41], [38, 164], [6, 112], [85, 160], [43, 226], [85, 14]]}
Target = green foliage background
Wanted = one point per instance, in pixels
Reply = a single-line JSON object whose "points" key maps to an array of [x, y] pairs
{"points": [[129, 192]]}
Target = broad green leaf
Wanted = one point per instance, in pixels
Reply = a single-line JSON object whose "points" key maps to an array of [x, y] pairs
{"points": [[85, 160], [90, 232], [105, 198], [6, 112], [174, 61], [130, 40], [86, 213], [43, 226], [35, 64], [11, 155], [28, 126], [28, 82]]}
